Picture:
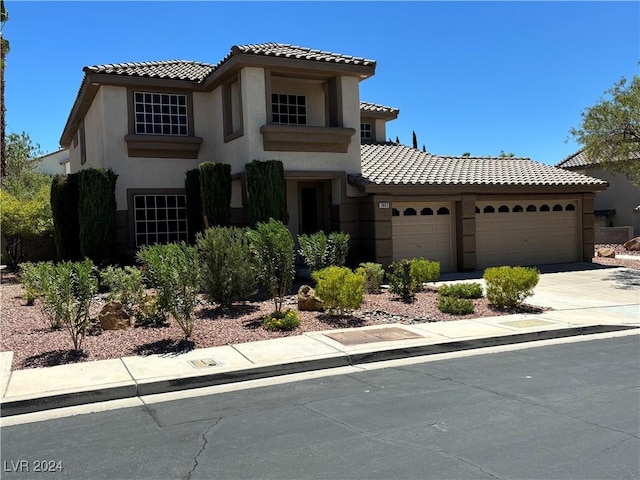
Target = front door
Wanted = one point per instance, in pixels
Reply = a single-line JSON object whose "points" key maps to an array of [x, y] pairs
{"points": [[310, 218]]}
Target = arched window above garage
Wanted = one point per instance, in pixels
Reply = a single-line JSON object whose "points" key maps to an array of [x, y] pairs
{"points": [[426, 211], [443, 211], [410, 212]]}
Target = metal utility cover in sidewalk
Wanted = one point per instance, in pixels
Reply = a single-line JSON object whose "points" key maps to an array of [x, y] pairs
{"points": [[373, 335]]}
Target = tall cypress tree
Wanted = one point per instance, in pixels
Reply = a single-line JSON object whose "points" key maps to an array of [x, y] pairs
{"points": [[267, 191], [215, 192]]}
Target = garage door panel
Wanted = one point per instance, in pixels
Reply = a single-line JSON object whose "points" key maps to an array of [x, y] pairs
{"points": [[526, 238], [428, 236]]}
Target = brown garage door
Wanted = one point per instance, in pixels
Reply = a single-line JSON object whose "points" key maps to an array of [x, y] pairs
{"points": [[526, 232]]}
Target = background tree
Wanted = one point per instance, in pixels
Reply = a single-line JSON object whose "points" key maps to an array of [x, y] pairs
{"points": [[414, 138], [4, 49], [610, 130], [24, 206], [504, 154]]}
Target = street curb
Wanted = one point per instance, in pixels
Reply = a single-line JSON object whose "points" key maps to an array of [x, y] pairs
{"points": [[21, 406]]}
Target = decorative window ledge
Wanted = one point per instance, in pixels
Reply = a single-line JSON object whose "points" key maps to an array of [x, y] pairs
{"points": [[161, 146], [298, 138]]}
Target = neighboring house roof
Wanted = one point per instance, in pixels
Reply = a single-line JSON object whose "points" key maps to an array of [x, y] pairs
{"points": [[391, 164], [293, 51], [577, 159]]}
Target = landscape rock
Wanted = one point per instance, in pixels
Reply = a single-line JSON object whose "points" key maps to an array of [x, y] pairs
{"points": [[606, 252], [633, 245], [308, 300], [114, 317]]}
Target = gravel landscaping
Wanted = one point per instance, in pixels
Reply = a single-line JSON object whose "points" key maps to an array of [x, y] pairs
{"points": [[26, 331]]}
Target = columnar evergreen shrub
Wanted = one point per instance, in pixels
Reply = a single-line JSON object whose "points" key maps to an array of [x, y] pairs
{"points": [[97, 214], [65, 196], [172, 269], [266, 188], [339, 288], [226, 267], [373, 276], [274, 250], [424, 271], [401, 282], [194, 203], [510, 286], [215, 192]]}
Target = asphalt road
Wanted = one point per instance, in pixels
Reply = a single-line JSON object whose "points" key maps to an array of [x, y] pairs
{"points": [[567, 411]]}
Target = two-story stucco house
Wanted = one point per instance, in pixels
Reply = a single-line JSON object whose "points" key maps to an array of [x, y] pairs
{"points": [[151, 122], [616, 206]]}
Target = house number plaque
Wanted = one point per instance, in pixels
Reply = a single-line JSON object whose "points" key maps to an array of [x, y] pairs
{"points": [[383, 205]]}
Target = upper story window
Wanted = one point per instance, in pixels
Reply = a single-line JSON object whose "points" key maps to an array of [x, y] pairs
{"points": [[161, 114], [288, 109], [366, 131]]}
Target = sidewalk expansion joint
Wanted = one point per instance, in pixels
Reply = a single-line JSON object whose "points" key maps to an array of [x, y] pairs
{"points": [[19, 406]]}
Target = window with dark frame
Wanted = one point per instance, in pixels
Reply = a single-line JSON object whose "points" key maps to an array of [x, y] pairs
{"points": [[288, 109], [160, 114], [366, 131], [160, 218]]}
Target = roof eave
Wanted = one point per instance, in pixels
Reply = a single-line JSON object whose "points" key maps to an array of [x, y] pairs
{"points": [[481, 189]]}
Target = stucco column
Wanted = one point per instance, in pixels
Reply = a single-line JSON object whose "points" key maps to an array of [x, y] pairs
{"points": [[588, 230], [376, 240], [466, 233]]}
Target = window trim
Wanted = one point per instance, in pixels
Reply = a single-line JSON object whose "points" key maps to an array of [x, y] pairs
{"points": [[228, 112], [161, 146]]}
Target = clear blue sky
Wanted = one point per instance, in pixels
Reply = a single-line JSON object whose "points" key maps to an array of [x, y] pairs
{"points": [[476, 77]]}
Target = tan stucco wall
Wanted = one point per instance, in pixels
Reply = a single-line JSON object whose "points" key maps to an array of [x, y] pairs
{"points": [[381, 130], [622, 196]]}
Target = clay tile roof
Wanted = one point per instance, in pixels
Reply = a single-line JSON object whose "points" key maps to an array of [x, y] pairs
{"points": [[292, 51], [374, 107], [171, 69], [577, 159], [392, 164]]}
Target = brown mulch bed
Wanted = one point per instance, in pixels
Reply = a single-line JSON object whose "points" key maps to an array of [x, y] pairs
{"points": [[25, 329]]}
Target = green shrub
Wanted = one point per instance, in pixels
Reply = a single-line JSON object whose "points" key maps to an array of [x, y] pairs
{"points": [[215, 192], [65, 196], [373, 274], [226, 269], [319, 251], [509, 286], [339, 288], [194, 203], [149, 314], [424, 271], [461, 290], [313, 249], [30, 283], [266, 187], [274, 251], [125, 286], [285, 321], [97, 214], [454, 305], [67, 292], [173, 270], [401, 281]]}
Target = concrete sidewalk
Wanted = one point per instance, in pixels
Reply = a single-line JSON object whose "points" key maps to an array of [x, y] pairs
{"points": [[585, 299]]}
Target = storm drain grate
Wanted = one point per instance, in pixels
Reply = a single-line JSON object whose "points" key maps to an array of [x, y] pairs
{"points": [[203, 363]]}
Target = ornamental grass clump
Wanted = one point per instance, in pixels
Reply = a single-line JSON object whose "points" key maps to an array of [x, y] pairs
{"points": [[173, 271], [283, 321], [508, 287], [339, 288]]}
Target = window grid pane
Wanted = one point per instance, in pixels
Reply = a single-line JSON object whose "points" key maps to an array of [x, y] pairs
{"points": [[288, 109], [161, 114], [366, 132], [155, 219]]}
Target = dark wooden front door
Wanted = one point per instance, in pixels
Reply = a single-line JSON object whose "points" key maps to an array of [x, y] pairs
{"points": [[310, 208]]}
